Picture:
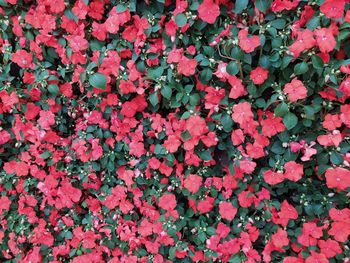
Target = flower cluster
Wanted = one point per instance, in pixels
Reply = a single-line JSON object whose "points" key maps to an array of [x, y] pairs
{"points": [[174, 131]]}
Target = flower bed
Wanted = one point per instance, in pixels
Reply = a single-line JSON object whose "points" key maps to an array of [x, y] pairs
{"points": [[174, 131]]}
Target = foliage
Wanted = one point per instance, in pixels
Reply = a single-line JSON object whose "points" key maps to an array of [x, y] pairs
{"points": [[174, 131]]}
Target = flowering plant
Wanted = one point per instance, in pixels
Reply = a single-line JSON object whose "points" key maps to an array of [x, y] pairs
{"points": [[175, 131]]}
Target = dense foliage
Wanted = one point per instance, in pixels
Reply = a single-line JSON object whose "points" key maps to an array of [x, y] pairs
{"points": [[174, 131]]}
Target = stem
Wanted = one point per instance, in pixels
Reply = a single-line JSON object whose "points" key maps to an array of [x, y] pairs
{"points": [[237, 61]]}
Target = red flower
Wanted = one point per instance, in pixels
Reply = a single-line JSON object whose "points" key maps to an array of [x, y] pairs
{"points": [[237, 88], [47, 118], [126, 87], [294, 171], [272, 125], [208, 11], [193, 182], [305, 40], [329, 248], [259, 75], [338, 178], [187, 66], [172, 144], [280, 5], [5, 203], [295, 90], [286, 213], [333, 8], [242, 112], [316, 258], [227, 210], [77, 43], [331, 122], [273, 178], [22, 58], [345, 114], [325, 39], [206, 205], [167, 202], [280, 238], [248, 44]]}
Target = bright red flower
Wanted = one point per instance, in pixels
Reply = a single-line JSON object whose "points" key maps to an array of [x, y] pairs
{"points": [[208, 11], [331, 122], [316, 258], [193, 182], [242, 112], [172, 144], [295, 90], [273, 178], [206, 205], [227, 210], [280, 238], [345, 114], [330, 139], [333, 8], [22, 58], [309, 234], [272, 125], [259, 75], [305, 40], [237, 88], [167, 202], [329, 248], [338, 178], [325, 39], [5, 203], [286, 213], [77, 43], [280, 5], [294, 171], [248, 43], [187, 66]]}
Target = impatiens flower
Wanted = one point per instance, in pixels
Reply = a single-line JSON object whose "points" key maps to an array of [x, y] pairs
{"points": [[286, 213], [187, 66], [329, 248], [242, 112], [280, 5], [309, 234], [193, 182], [330, 139], [280, 238], [340, 227], [333, 8], [273, 178], [316, 258], [325, 39], [237, 87], [305, 40], [345, 114], [46, 119], [338, 178], [331, 122], [167, 202], [77, 43], [227, 210], [208, 11], [259, 75], [294, 171], [295, 90], [248, 43], [22, 58], [206, 205]]}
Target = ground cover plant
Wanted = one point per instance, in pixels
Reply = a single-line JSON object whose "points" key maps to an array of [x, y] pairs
{"points": [[174, 131]]}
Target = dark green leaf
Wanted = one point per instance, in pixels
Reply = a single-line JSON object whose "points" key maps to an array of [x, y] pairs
{"points": [[98, 80], [180, 19], [290, 120]]}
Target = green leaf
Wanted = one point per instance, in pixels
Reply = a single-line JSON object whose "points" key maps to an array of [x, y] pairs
{"points": [[185, 135], [153, 98], [290, 120], [262, 5], [180, 20], [232, 68], [336, 158], [205, 155], [166, 92], [98, 80], [281, 109], [317, 62], [301, 68], [53, 89], [240, 5]]}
